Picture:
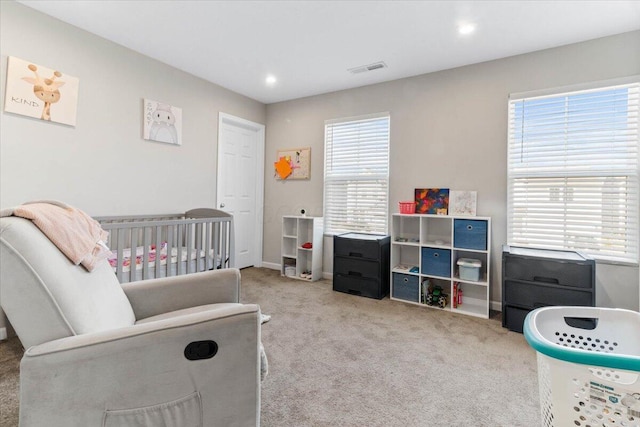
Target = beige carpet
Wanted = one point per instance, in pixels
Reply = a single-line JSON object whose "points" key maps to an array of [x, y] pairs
{"points": [[342, 360]]}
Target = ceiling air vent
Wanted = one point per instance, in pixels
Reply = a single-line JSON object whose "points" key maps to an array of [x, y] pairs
{"points": [[367, 68]]}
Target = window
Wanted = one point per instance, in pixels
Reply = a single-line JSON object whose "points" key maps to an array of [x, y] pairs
{"points": [[573, 171], [356, 174]]}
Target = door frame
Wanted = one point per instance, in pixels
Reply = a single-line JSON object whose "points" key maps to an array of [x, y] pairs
{"points": [[259, 130]]}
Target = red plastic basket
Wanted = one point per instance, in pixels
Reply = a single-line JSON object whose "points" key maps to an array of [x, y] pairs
{"points": [[407, 207]]}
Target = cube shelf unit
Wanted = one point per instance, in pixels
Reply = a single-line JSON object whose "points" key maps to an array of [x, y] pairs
{"points": [[431, 245], [296, 231]]}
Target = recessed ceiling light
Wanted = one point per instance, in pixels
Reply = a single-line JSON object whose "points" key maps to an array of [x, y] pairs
{"points": [[271, 80], [465, 29]]}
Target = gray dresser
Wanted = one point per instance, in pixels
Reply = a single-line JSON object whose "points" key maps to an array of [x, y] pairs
{"points": [[533, 278], [361, 264]]}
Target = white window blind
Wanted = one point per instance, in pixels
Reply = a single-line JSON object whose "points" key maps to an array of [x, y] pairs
{"points": [[356, 175], [573, 172]]}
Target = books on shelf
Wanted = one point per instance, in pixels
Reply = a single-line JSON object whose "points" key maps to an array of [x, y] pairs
{"points": [[407, 268], [457, 295]]}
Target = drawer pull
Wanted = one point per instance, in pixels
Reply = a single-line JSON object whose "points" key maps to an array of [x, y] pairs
{"points": [[469, 227], [436, 254], [355, 254], [546, 280], [406, 280]]}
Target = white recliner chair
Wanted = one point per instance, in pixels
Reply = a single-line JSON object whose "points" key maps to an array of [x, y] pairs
{"points": [[175, 352]]}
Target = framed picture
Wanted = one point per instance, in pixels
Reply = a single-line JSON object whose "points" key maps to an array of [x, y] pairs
{"points": [[40, 92], [432, 201], [162, 122], [462, 202], [293, 163]]}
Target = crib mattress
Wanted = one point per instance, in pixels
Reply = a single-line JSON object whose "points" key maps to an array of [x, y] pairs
{"points": [[197, 261]]}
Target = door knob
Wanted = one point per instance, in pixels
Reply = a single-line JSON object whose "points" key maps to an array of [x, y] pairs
{"points": [[222, 205]]}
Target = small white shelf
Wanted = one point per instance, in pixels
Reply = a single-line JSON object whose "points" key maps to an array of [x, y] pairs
{"points": [[296, 231]]}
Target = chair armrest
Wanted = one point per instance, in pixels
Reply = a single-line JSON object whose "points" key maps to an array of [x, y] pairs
{"points": [[156, 296], [73, 380], [119, 336]]}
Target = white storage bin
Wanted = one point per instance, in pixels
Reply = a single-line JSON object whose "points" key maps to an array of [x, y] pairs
{"points": [[588, 365], [469, 269]]}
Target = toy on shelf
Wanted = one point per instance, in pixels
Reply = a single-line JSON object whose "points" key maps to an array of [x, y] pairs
{"points": [[433, 294], [436, 296]]}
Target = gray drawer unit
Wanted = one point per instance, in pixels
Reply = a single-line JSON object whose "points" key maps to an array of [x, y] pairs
{"points": [[533, 278], [568, 272], [534, 295], [354, 285], [361, 264], [364, 268]]}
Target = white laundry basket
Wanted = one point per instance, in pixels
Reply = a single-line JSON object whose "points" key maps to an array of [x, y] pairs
{"points": [[588, 365]]}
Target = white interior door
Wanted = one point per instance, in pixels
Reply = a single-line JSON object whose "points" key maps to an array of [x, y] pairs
{"points": [[241, 183]]}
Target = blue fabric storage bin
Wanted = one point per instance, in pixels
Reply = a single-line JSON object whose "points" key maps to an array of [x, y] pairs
{"points": [[406, 287], [436, 262], [470, 234]]}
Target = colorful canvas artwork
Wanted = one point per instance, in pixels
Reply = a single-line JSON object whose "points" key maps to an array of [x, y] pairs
{"points": [[432, 201], [40, 92]]}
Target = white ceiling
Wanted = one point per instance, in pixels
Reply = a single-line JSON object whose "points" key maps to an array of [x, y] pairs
{"points": [[309, 45]]}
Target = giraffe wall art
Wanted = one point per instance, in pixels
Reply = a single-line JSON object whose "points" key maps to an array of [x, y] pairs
{"points": [[40, 92]]}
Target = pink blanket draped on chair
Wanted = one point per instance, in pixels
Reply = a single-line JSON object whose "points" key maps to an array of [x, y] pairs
{"points": [[78, 236]]}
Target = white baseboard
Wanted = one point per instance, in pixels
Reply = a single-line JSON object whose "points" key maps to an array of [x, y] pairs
{"points": [[271, 265], [274, 266], [495, 305], [3, 334]]}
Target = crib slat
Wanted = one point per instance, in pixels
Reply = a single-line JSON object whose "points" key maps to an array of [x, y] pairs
{"points": [[197, 243], [133, 265], [158, 250], [216, 243], [189, 243], [230, 227], [145, 256], [223, 244], [179, 246], [120, 253], [200, 260], [208, 265], [170, 239]]}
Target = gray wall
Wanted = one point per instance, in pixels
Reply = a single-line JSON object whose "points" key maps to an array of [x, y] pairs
{"points": [[448, 129], [102, 165]]}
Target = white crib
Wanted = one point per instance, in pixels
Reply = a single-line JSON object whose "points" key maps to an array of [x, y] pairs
{"points": [[150, 246]]}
